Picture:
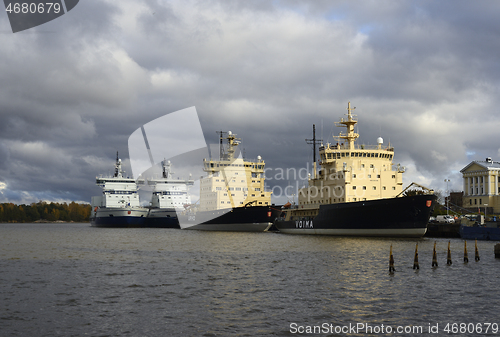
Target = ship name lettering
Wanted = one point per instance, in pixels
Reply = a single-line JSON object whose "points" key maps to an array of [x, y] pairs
{"points": [[304, 224]]}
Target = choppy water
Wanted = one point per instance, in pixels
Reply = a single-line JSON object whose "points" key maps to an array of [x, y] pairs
{"points": [[76, 280]]}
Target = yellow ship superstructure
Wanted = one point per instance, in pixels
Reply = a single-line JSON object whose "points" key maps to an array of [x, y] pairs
{"points": [[350, 172], [232, 182]]}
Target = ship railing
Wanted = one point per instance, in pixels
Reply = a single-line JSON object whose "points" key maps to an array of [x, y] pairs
{"points": [[345, 146], [210, 164]]}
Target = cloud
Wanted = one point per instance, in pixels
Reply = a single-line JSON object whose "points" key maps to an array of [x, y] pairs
{"points": [[422, 74]]}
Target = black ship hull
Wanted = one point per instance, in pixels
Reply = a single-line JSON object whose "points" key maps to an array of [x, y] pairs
{"points": [[238, 219], [162, 218], [394, 217]]}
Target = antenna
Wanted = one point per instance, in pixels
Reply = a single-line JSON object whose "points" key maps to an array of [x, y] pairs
{"points": [[321, 128], [221, 146], [314, 141]]}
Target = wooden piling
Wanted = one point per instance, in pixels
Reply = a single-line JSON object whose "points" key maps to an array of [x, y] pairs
{"points": [[497, 251], [466, 256], [448, 257], [391, 262], [415, 260], [434, 256], [477, 253]]}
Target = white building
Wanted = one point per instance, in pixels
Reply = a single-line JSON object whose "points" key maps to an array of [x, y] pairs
{"points": [[482, 185]]}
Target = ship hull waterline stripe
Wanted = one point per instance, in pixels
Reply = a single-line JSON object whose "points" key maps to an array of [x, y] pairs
{"points": [[239, 227], [401, 232]]}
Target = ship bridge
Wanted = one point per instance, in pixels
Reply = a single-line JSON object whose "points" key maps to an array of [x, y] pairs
{"points": [[351, 172]]}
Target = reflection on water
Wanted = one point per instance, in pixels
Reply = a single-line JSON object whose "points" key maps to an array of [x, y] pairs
{"points": [[73, 279]]}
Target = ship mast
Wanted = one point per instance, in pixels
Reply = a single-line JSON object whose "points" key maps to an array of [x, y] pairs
{"points": [[232, 143], [314, 141], [118, 167], [167, 169], [350, 136]]}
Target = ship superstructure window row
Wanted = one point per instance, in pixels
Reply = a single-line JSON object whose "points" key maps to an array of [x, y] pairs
{"points": [[170, 193], [119, 192], [339, 155]]}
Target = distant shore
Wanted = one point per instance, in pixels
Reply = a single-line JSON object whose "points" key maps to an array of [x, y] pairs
{"points": [[43, 221]]}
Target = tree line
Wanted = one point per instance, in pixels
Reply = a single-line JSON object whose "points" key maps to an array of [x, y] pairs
{"points": [[42, 211]]}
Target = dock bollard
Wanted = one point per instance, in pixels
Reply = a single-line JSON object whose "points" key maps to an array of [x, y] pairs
{"points": [[415, 260], [434, 257], [391, 262], [466, 256], [448, 257], [497, 251], [477, 253]]}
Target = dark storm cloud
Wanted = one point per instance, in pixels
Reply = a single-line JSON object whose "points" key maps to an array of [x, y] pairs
{"points": [[422, 74]]}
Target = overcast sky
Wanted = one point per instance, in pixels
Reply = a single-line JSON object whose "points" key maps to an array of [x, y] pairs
{"points": [[424, 75]]}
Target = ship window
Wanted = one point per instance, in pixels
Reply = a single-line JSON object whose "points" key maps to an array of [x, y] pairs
{"points": [[378, 175], [393, 176], [393, 188], [376, 155], [354, 175], [384, 188], [374, 188], [362, 165], [364, 187], [369, 176], [354, 187]]}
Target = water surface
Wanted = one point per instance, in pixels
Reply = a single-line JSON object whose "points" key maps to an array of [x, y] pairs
{"points": [[77, 280]]}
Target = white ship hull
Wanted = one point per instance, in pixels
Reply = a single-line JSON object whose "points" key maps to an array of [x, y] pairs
{"points": [[119, 217]]}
